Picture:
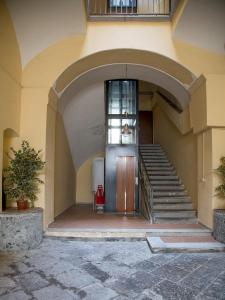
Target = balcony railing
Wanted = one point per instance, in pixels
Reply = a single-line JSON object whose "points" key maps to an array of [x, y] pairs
{"points": [[104, 10]]}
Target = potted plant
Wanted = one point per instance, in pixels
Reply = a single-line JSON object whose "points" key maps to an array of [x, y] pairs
{"points": [[22, 175], [219, 214]]}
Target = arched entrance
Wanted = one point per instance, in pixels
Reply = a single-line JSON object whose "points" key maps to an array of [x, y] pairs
{"points": [[78, 82]]}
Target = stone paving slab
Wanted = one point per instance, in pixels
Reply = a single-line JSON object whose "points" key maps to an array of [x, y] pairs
{"points": [[184, 244], [63, 269]]}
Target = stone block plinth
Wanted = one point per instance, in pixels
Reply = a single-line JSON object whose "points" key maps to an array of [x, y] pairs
{"points": [[219, 225], [21, 230]]}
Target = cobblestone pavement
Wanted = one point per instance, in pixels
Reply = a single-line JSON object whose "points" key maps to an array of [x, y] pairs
{"points": [[63, 269]]}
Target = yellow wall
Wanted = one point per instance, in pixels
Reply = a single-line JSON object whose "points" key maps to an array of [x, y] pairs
{"points": [[84, 192], [10, 81], [205, 175], [218, 150], [181, 150], [64, 193], [215, 89]]}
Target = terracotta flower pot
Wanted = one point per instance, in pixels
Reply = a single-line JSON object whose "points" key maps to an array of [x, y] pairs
{"points": [[22, 204]]}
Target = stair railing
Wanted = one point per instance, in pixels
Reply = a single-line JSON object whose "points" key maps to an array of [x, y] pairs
{"points": [[147, 192]]}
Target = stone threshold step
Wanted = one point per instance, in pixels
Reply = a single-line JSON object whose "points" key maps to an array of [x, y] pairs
{"points": [[96, 234], [124, 233], [186, 244]]}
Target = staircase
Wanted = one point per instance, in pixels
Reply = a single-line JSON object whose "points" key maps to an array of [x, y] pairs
{"points": [[170, 201]]}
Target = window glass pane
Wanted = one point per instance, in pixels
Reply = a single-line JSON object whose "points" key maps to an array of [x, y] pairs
{"points": [[129, 97], [114, 131], [122, 97], [114, 98], [130, 137], [123, 3]]}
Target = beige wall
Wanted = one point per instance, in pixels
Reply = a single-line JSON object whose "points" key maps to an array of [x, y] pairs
{"points": [[205, 175], [64, 193], [10, 83], [218, 150], [84, 192], [215, 89], [181, 150]]}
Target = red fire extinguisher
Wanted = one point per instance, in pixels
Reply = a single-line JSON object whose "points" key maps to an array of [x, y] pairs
{"points": [[99, 196]]}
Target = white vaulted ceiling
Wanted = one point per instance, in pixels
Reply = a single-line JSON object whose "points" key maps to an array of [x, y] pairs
{"points": [[40, 23], [202, 24], [83, 109]]}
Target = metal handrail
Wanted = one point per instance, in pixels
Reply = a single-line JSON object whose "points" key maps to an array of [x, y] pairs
{"points": [[147, 189], [141, 8]]}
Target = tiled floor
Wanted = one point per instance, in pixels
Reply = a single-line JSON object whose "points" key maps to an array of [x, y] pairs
{"points": [[62, 269], [83, 216]]}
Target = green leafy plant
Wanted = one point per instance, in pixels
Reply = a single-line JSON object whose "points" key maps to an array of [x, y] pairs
{"points": [[22, 175], [221, 171]]}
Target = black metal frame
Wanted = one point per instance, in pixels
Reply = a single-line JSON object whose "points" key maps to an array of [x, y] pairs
{"points": [[125, 9], [114, 150], [120, 116]]}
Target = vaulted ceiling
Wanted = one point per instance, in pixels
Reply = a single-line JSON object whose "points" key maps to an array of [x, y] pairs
{"points": [[82, 104], [41, 23], [202, 25]]}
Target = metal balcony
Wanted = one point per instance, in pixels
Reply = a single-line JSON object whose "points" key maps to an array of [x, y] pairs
{"points": [[123, 10]]}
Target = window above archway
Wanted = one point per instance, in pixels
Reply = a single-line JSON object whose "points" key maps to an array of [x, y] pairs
{"points": [[146, 10]]}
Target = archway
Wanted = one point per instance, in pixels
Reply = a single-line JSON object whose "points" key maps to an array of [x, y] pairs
{"points": [[170, 77]]}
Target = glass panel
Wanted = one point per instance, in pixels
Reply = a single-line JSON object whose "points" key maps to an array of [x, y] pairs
{"points": [[129, 97], [122, 97], [114, 98], [114, 136], [114, 131], [117, 134], [123, 3], [129, 138]]}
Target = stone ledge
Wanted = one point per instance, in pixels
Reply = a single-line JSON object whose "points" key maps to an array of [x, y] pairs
{"points": [[21, 230]]}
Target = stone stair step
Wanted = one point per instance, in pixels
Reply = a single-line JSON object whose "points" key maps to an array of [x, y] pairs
{"points": [[173, 206], [184, 244], [175, 214], [149, 169], [150, 154], [172, 200], [155, 160], [166, 177], [149, 145], [169, 194], [168, 188], [152, 164], [165, 182], [162, 172], [175, 221]]}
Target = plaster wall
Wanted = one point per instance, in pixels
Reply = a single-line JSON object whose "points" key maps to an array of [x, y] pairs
{"points": [[10, 83], [84, 192], [205, 178], [218, 150], [65, 178], [215, 89]]}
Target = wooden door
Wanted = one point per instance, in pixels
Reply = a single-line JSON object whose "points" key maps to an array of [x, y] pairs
{"points": [[145, 127], [125, 183]]}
